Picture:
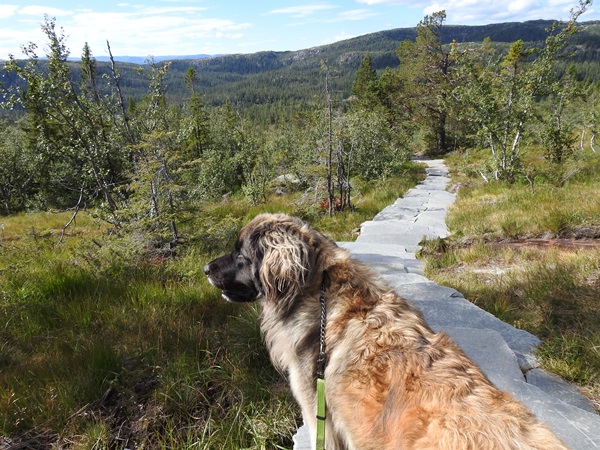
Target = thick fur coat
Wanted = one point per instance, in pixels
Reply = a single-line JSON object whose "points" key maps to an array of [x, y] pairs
{"points": [[391, 382]]}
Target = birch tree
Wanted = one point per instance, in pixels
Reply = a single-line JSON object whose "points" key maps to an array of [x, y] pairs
{"points": [[500, 97]]}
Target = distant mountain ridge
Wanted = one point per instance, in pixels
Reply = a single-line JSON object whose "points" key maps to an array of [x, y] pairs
{"points": [[160, 58], [533, 30], [264, 84], [251, 81]]}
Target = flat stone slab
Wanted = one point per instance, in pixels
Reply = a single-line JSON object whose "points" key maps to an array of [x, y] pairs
{"points": [[407, 234], [559, 388], [302, 439], [359, 248], [388, 260]]}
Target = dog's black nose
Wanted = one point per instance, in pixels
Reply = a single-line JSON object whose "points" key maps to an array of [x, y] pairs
{"points": [[207, 269]]}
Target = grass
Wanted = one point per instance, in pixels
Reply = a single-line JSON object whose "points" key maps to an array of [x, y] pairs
{"points": [[103, 345], [47, 224], [147, 348], [564, 200], [549, 290]]}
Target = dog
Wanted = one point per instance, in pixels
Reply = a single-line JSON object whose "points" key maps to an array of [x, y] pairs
{"points": [[391, 382]]}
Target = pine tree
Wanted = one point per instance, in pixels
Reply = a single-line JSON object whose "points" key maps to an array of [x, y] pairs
{"points": [[363, 87], [426, 71]]}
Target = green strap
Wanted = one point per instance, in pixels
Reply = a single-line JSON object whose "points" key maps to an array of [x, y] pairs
{"points": [[320, 414]]}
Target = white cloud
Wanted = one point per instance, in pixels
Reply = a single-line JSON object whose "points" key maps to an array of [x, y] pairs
{"points": [[468, 12], [518, 6], [357, 14], [155, 31], [8, 11], [487, 11], [39, 11], [416, 3], [131, 30], [433, 8], [302, 11], [233, 36], [310, 14]]}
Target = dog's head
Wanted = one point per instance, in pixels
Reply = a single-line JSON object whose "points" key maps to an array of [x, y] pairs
{"points": [[275, 256]]}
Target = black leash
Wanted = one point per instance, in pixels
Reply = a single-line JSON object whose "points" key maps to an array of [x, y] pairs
{"points": [[322, 358]]}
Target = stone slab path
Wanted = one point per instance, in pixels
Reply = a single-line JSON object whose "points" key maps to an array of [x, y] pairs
{"points": [[506, 354]]}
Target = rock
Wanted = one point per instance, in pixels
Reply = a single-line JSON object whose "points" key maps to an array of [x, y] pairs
{"points": [[557, 387]]}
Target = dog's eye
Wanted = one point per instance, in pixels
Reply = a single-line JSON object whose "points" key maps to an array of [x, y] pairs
{"points": [[241, 261]]}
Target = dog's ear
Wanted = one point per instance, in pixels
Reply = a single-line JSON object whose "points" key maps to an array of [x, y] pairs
{"points": [[287, 263]]}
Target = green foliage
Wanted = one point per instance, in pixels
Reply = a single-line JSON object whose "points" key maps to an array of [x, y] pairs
{"points": [[18, 170], [500, 97], [197, 124], [377, 150], [557, 134], [157, 190], [426, 74], [81, 157], [218, 170]]}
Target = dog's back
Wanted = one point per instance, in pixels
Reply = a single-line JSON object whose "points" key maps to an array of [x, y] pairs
{"points": [[394, 383]]}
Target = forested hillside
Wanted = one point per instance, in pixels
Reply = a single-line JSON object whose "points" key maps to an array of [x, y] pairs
{"points": [[239, 77], [264, 84], [293, 78]]}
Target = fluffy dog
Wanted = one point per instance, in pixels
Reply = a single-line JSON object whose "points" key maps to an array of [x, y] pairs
{"points": [[391, 382]]}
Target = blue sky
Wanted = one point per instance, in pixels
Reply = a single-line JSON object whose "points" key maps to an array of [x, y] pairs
{"points": [[189, 27]]}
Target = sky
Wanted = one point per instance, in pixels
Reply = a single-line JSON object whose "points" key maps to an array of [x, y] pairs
{"points": [[192, 27]]}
